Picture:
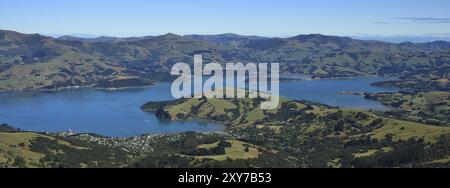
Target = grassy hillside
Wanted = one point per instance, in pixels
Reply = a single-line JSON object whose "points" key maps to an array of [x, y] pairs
{"points": [[317, 135], [312, 117], [30, 62], [15, 150], [426, 106], [37, 150]]}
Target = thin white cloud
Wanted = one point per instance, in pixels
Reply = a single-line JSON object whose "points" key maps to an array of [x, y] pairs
{"points": [[378, 22], [423, 19]]}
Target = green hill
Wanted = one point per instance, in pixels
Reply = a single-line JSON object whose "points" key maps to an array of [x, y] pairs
{"points": [[431, 107], [318, 135], [38, 150]]}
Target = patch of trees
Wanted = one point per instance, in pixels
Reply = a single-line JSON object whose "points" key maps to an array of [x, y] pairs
{"points": [[19, 162], [220, 118], [408, 152], [8, 128], [234, 112], [289, 111], [421, 117], [218, 150], [162, 114], [195, 109], [265, 159], [91, 155], [162, 160]]}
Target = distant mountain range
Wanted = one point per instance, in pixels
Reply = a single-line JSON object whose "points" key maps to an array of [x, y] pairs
{"points": [[382, 38], [102, 39], [401, 39], [32, 61]]}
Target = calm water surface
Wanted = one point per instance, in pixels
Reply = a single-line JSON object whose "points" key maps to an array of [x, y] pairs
{"points": [[117, 113], [327, 92]]}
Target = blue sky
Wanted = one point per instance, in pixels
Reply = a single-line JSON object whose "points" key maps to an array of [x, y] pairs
{"points": [[249, 17]]}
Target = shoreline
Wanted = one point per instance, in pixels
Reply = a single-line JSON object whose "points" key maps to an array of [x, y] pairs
{"points": [[67, 133], [93, 87], [283, 78]]}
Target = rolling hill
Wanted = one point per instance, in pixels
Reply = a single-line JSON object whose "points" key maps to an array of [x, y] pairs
{"points": [[41, 150], [30, 62], [316, 135]]}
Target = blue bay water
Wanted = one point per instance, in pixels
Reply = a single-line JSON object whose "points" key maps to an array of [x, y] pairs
{"points": [[117, 113], [327, 91]]}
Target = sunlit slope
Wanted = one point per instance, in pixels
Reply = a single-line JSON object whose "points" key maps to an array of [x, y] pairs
{"points": [[28, 149]]}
